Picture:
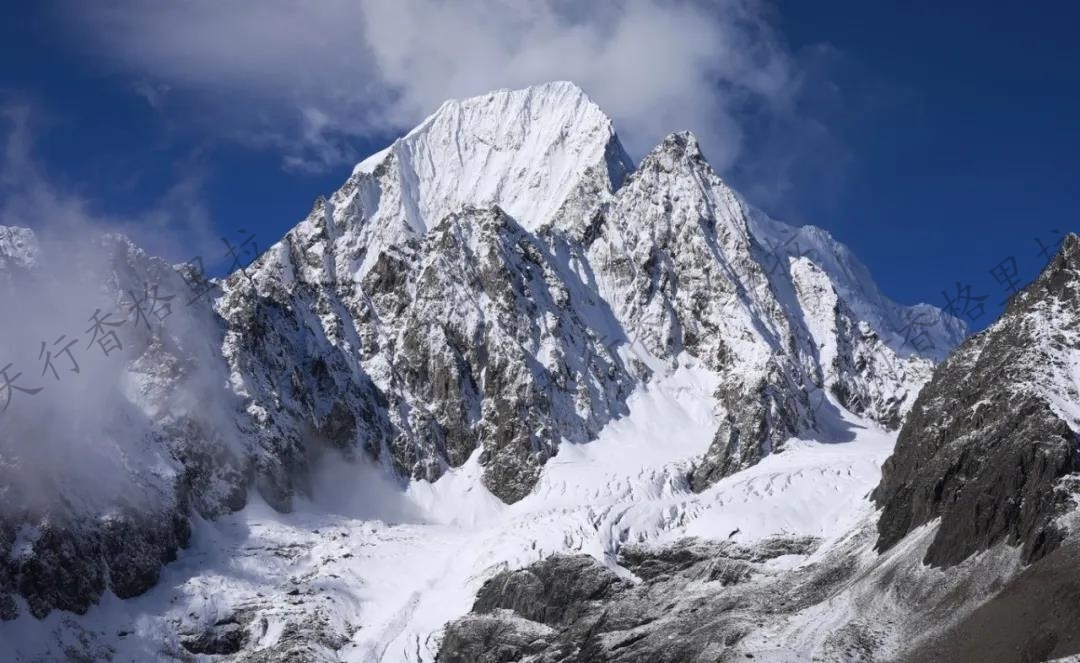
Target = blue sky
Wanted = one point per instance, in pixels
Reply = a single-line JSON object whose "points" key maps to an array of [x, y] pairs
{"points": [[935, 139]]}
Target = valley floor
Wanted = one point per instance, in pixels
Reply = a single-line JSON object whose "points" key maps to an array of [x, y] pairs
{"points": [[366, 572]]}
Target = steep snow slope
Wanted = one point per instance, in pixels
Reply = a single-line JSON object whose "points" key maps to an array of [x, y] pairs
{"points": [[530, 151], [921, 329]]}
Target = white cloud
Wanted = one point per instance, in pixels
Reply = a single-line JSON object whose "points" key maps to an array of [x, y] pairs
{"points": [[308, 78]]}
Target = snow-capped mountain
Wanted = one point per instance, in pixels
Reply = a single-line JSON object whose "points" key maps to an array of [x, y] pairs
{"points": [[499, 288], [489, 270]]}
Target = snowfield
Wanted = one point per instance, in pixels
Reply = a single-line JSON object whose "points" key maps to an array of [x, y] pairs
{"points": [[378, 571]]}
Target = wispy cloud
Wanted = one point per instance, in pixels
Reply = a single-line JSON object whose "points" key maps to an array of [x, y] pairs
{"points": [[30, 197], [309, 78], [153, 94]]}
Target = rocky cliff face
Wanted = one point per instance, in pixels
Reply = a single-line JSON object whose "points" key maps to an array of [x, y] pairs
{"points": [[498, 281], [995, 430]]}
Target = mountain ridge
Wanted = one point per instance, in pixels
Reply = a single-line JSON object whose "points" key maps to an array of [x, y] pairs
{"points": [[413, 321]]}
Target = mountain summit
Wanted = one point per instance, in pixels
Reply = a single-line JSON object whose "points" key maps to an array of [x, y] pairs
{"points": [[527, 151], [506, 278]]}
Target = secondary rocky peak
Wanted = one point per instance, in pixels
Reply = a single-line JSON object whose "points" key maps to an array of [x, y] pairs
{"points": [[1058, 281], [679, 154], [683, 143], [997, 428]]}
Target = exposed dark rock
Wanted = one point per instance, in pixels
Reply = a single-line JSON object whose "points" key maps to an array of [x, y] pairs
{"points": [[697, 602], [65, 572], [492, 638], [226, 637], [68, 567], [135, 548], [982, 448], [548, 591]]}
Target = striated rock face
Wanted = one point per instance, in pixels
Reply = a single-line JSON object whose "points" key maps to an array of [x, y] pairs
{"points": [[991, 435], [477, 335]]}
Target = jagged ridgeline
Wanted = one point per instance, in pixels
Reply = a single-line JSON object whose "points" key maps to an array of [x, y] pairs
{"points": [[496, 283], [992, 438]]}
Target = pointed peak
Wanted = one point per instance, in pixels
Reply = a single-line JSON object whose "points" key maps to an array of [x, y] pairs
{"points": [[683, 143], [504, 117], [559, 103], [686, 139], [1070, 247], [678, 147], [564, 92], [528, 151], [1060, 278], [1067, 259]]}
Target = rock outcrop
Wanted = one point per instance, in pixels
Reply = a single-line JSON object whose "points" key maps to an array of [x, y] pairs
{"points": [[694, 602], [994, 431]]}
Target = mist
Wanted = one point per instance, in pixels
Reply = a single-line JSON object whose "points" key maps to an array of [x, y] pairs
{"points": [[96, 435]]}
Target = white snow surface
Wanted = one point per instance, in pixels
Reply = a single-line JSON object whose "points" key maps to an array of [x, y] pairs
{"points": [[390, 567], [485, 151], [527, 151]]}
